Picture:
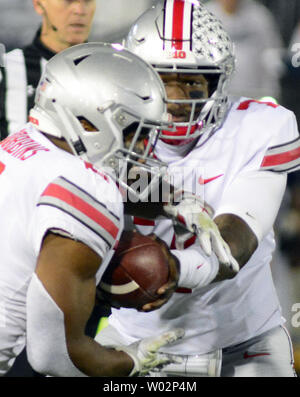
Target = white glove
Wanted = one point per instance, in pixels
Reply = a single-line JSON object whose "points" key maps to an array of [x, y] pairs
{"points": [[193, 215], [145, 352]]}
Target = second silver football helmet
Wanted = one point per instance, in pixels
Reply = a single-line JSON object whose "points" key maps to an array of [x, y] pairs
{"points": [[182, 36], [110, 89]]}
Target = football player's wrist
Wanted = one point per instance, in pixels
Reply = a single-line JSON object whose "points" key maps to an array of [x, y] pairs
{"points": [[196, 269], [136, 363]]}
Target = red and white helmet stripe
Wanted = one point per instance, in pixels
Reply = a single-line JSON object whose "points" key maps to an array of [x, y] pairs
{"points": [[177, 25], [183, 37]]}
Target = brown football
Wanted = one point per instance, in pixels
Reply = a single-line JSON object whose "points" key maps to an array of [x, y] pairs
{"points": [[136, 271]]}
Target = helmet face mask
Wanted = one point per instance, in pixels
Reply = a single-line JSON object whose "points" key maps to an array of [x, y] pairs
{"points": [[185, 89], [90, 94], [135, 158], [182, 37]]}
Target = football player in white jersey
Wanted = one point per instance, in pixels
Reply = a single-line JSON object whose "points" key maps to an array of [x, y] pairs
{"points": [[62, 212], [236, 156]]}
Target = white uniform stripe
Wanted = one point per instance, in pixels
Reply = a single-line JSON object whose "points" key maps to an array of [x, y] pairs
{"points": [[287, 147], [63, 182], [171, 23], [119, 289], [80, 216], [16, 100], [283, 158], [187, 26], [70, 198], [168, 25]]}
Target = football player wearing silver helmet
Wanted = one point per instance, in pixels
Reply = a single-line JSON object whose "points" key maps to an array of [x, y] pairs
{"points": [[63, 213], [239, 153], [104, 115], [194, 56]]}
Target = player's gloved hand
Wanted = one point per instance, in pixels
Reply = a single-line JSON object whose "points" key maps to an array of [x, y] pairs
{"points": [[192, 215], [145, 352]]}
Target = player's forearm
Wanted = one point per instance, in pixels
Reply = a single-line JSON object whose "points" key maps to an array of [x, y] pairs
{"points": [[57, 345], [237, 234], [95, 360]]}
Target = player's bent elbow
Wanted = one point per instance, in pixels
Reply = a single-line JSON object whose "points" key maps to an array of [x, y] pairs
{"points": [[48, 358], [41, 360], [46, 341]]}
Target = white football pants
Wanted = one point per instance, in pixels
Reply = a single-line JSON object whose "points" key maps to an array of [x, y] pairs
{"points": [[267, 355]]}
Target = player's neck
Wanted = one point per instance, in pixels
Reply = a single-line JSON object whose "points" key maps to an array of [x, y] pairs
{"points": [[60, 143]]}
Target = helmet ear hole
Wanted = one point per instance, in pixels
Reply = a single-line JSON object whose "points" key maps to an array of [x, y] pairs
{"points": [[86, 124]]}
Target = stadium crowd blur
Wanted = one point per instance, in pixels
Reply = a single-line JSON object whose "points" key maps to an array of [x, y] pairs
{"points": [[268, 68]]}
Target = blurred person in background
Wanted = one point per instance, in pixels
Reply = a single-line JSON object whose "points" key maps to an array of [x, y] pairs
{"points": [[18, 23], [258, 45], [64, 24]]}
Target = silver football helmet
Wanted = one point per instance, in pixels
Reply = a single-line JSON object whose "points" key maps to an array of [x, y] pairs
{"points": [[182, 36], [113, 91]]}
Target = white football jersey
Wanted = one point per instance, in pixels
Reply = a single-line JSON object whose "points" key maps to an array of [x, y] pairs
{"points": [[45, 188], [256, 139]]}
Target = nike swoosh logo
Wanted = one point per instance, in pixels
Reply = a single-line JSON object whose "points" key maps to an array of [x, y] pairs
{"points": [[247, 355], [202, 181]]}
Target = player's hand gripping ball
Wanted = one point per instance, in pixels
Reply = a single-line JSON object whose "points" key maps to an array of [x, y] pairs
{"points": [[140, 266]]}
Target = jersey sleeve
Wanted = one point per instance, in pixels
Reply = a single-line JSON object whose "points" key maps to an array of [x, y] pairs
{"points": [[255, 197], [255, 191], [283, 152], [70, 209]]}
